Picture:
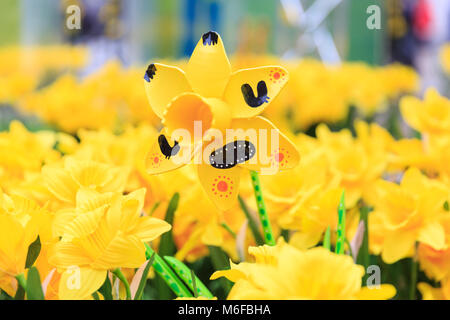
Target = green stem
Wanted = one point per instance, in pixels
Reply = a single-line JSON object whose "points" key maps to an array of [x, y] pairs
{"points": [[118, 273], [167, 274], [251, 223], [414, 267], [363, 257], [227, 227], [21, 280], [326, 239], [267, 229]]}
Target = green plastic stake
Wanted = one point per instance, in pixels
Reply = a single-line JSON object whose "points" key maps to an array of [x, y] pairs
{"points": [[267, 229], [185, 274], [326, 239], [167, 274], [340, 242]]}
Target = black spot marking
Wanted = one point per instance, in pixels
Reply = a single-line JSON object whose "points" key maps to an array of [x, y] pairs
{"points": [[151, 71], [250, 98], [232, 154], [165, 147], [210, 38]]}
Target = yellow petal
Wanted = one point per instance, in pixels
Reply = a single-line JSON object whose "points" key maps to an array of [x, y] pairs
{"points": [[430, 293], [274, 151], [84, 224], [433, 234], [89, 200], [231, 274], [122, 251], [221, 185], [60, 183], [66, 254], [212, 235], [162, 84], [383, 292], [80, 283], [209, 70], [305, 240], [149, 228], [250, 91], [409, 107], [398, 246]]}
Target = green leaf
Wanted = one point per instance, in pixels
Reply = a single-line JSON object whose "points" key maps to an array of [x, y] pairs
{"points": [[251, 222], [34, 286], [326, 239], [141, 287], [363, 257], [167, 246], [220, 261], [33, 252], [20, 293], [106, 289]]}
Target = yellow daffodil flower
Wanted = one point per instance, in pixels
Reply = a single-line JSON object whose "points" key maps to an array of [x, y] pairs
{"points": [[410, 212], [284, 272], [64, 182], [105, 231], [20, 221], [430, 116], [430, 293], [208, 92]]}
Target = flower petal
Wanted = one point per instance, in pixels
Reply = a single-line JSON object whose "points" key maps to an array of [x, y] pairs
{"points": [[122, 251], [209, 70], [84, 224], [274, 151], [60, 183], [383, 292], [250, 91], [162, 84], [80, 283], [221, 185], [67, 254], [150, 228], [398, 246], [433, 234]]}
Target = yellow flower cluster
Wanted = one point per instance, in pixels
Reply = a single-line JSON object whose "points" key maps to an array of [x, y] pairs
{"points": [[323, 93], [283, 272], [86, 192], [108, 99], [86, 206], [22, 69]]}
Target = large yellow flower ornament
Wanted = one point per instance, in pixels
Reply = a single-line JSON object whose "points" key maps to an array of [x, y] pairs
{"points": [[210, 111]]}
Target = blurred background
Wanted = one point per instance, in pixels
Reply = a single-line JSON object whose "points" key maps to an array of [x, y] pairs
{"points": [[134, 32]]}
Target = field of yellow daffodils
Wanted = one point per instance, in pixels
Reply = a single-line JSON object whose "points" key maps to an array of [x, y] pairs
{"points": [[94, 205]]}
